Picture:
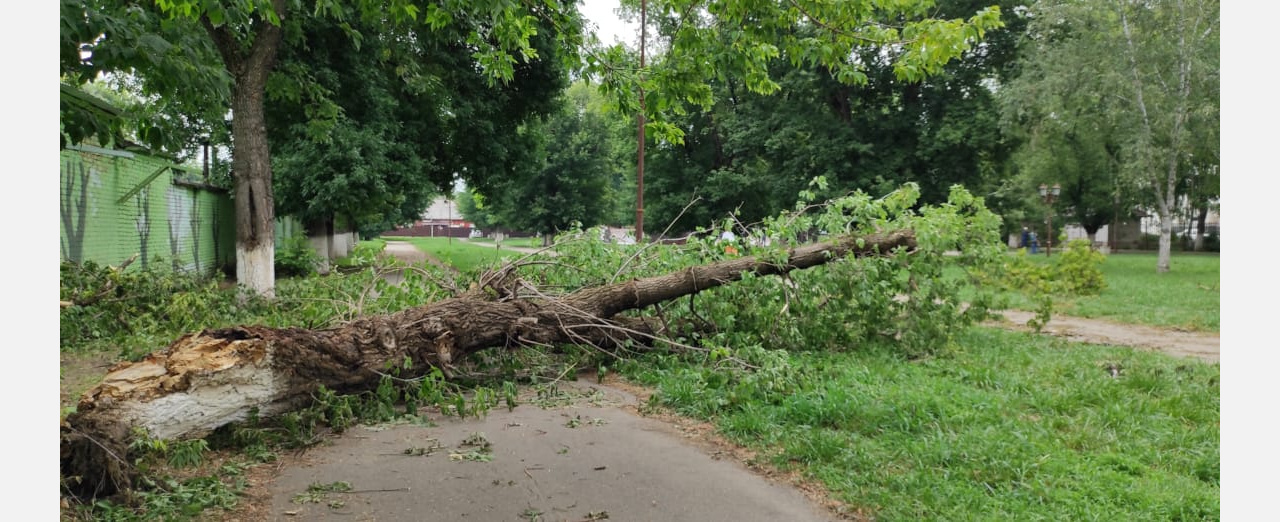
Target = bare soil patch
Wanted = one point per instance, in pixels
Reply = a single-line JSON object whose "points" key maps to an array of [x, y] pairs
{"points": [[1199, 345]]}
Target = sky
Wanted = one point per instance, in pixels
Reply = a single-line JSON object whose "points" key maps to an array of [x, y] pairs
{"points": [[608, 26]]}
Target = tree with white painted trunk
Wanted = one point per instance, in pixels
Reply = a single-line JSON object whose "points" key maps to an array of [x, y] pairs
{"points": [[223, 55]]}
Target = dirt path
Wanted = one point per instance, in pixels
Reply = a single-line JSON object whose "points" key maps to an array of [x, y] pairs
{"points": [[1200, 345], [591, 459]]}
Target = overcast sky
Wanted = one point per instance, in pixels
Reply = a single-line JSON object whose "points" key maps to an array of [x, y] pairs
{"points": [[608, 26]]}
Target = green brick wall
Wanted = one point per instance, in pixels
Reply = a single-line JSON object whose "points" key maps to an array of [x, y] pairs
{"points": [[178, 226]]}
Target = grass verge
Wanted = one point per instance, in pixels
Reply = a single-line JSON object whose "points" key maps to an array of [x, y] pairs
{"points": [[1008, 426], [463, 256], [1187, 297]]}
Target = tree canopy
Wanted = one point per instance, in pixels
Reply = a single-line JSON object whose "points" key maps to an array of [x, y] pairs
{"points": [[388, 146], [750, 153], [1129, 88], [706, 42], [215, 56], [577, 171]]}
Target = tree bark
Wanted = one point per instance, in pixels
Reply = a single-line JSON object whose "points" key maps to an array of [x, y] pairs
{"points": [[254, 200], [1166, 243], [250, 154], [207, 379], [1201, 217]]}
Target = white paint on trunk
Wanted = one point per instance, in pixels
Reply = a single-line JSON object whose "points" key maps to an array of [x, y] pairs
{"points": [[256, 268], [1166, 242], [212, 400]]}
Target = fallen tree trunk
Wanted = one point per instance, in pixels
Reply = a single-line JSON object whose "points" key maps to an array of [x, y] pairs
{"points": [[207, 379]]}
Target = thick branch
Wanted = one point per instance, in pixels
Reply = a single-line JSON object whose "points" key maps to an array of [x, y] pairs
{"points": [[607, 301], [225, 42], [262, 56]]}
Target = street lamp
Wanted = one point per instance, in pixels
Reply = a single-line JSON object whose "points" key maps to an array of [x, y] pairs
{"points": [[1048, 194]]}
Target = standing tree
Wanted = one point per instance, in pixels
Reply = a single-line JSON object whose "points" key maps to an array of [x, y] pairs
{"points": [[394, 145], [1152, 68], [474, 208], [166, 45], [1173, 70], [1068, 137], [577, 164], [724, 49]]}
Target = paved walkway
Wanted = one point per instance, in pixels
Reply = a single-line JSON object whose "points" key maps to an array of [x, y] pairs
{"points": [[405, 251], [594, 459]]}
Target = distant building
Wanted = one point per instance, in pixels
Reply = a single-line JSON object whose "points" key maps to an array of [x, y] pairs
{"points": [[441, 219], [1140, 230], [443, 212]]}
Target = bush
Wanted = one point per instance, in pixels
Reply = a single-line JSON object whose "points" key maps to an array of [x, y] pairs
{"points": [[1211, 242], [295, 257], [1078, 270], [116, 305], [1149, 242], [365, 253]]}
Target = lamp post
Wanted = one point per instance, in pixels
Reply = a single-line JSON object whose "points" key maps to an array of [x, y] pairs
{"points": [[1048, 194]]}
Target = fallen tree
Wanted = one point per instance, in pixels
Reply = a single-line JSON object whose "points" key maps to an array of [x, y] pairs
{"points": [[210, 378]]}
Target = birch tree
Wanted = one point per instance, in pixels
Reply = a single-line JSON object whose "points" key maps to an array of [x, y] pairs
{"points": [[1153, 69]]}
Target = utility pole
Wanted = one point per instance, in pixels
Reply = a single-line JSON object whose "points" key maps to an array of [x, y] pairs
{"points": [[640, 119], [1049, 194]]}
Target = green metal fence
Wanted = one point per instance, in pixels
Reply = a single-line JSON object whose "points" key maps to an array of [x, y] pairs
{"points": [[116, 204]]}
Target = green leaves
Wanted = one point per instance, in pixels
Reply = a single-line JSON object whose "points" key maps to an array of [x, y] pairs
{"points": [[743, 39], [437, 18], [575, 172]]}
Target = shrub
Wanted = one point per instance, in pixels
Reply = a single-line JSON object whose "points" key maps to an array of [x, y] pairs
{"points": [[365, 253], [1078, 270], [1211, 242], [109, 304], [295, 257], [1149, 242]]}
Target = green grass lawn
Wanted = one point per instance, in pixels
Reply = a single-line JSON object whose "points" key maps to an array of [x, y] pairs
{"points": [[463, 256], [1010, 426], [1187, 297], [527, 242]]}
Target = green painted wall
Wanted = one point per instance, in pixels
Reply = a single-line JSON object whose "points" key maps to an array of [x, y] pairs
{"points": [[177, 226]]}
